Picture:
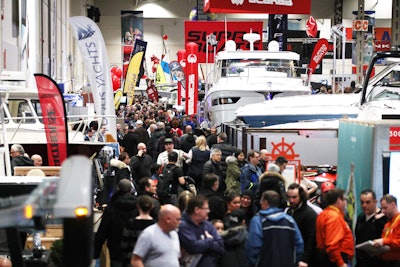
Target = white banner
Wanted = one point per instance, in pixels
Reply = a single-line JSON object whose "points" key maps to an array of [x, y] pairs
{"points": [[94, 53]]}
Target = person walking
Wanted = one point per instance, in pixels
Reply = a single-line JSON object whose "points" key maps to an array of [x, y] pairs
{"points": [[335, 242], [158, 245]]}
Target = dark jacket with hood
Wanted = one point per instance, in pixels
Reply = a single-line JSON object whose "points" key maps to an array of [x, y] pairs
{"points": [[215, 202], [273, 181], [234, 243], [121, 208], [20, 161]]}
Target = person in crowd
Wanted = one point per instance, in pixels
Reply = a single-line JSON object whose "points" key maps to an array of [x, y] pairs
{"points": [[215, 201], [102, 134], [226, 149], [247, 204], [391, 232], [120, 133], [153, 141], [169, 147], [218, 225], [188, 130], [89, 135], [281, 161], [232, 175], [274, 237], [335, 242], [250, 173], [141, 133], [321, 199], [188, 142], [234, 241], [197, 157], [241, 157], [147, 186], [168, 189], [200, 241], [130, 141], [121, 166], [141, 163], [175, 128], [212, 137], [18, 157], [168, 135], [135, 226], [305, 218], [264, 155], [311, 186], [183, 200], [37, 160], [273, 181], [158, 245], [213, 165], [118, 212], [369, 226], [233, 202]]}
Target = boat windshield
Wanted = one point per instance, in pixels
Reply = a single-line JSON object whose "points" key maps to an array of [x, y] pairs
{"points": [[258, 67], [20, 111], [387, 88]]}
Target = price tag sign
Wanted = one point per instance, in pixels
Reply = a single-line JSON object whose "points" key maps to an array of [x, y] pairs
{"points": [[394, 139]]}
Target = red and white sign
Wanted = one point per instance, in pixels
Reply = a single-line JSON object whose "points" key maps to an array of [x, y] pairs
{"points": [[197, 32], [394, 139], [192, 79], [320, 49], [360, 25], [258, 6]]}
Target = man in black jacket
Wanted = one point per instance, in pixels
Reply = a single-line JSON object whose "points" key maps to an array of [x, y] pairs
{"points": [[213, 165], [18, 157], [226, 149], [141, 163], [215, 201], [120, 209], [305, 218]]}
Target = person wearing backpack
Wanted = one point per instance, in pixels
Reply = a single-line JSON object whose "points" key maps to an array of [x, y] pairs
{"points": [[169, 180]]}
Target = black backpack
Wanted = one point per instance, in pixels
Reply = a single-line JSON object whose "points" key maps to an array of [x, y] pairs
{"points": [[165, 180]]}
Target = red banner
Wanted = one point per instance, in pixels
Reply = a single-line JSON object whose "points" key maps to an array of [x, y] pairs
{"points": [[192, 79], [394, 138], [54, 119], [197, 32], [320, 49], [311, 27], [258, 6], [182, 61]]}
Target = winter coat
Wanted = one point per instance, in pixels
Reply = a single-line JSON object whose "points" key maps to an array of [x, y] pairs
{"points": [[20, 161], [232, 179], [119, 211], [234, 242], [216, 204], [249, 177], [272, 181], [121, 170], [274, 240], [227, 150]]}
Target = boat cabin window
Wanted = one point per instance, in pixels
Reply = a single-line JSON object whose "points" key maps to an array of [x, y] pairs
{"points": [[258, 67], [225, 100], [387, 88], [20, 111], [37, 108]]}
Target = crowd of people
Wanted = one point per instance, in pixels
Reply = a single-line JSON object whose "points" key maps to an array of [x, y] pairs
{"points": [[184, 196]]}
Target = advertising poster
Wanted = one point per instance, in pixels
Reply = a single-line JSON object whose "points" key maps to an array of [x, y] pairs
{"points": [[131, 30]]}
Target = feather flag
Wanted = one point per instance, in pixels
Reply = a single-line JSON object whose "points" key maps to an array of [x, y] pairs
{"points": [[132, 75]]}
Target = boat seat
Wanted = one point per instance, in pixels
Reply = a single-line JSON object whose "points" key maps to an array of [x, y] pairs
{"points": [[47, 170]]}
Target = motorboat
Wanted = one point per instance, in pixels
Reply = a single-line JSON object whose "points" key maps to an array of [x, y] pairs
{"points": [[245, 77], [299, 108], [379, 99]]}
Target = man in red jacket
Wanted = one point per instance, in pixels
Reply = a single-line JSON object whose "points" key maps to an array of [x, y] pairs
{"points": [[391, 231]]}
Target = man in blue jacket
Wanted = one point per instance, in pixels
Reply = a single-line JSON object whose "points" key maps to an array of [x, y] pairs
{"points": [[250, 173], [274, 238], [199, 240]]}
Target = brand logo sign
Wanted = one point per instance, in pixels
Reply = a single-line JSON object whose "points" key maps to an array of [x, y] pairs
{"points": [[192, 58], [237, 2], [360, 25]]}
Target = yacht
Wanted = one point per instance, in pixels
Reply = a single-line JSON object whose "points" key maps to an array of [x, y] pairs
{"points": [[251, 76]]}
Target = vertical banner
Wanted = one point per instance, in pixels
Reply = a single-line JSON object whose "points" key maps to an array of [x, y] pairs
{"points": [[54, 119], [182, 61], [91, 44], [320, 49], [132, 75], [132, 30], [192, 78], [278, 30]]}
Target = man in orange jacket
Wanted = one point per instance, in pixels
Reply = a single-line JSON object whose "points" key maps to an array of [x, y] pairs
{"points": [[335, 242], [391, 232]]}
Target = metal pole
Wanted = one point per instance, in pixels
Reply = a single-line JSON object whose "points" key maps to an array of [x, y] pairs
{"points": [[343, 54], [334, 64], [360, 42]]}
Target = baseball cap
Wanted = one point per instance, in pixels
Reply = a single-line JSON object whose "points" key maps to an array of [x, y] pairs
{"points": [[168, 140], [326, 186]]}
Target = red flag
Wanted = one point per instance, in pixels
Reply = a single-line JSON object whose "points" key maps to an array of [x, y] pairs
{"points": [[192, 78], [182, 61], [319, 52], [311, 27], [54, 119]]}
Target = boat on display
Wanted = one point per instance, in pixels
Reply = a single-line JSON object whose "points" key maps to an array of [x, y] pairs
{"points": [[378, 100], [246, 77], [299, 108]]}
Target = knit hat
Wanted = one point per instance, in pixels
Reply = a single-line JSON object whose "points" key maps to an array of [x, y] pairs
{"points": [[236, 217], [248, 193]]}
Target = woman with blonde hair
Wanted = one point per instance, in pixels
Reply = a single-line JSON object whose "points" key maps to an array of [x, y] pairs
{"points": [[198, 155]]}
